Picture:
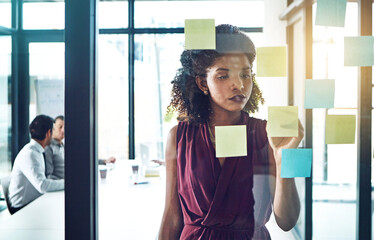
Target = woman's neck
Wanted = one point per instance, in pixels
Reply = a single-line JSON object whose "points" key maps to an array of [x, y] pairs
{"points": [[224, 118]]}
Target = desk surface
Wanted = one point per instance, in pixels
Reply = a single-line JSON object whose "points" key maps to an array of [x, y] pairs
{"points": [[126, 211], [41, 219]]}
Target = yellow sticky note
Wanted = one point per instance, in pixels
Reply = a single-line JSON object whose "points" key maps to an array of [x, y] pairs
{"points": [[200, 34], [340, 129], [283, 121], [271, 62], [231, 141]]}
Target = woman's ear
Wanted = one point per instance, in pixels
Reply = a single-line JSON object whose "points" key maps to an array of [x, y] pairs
{"points": [[201, 83]]}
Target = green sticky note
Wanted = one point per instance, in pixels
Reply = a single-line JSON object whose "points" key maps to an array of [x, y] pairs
{"points": [[231, 141], [283, 121], [331, 12], [296, 163], [340, 129], [359, 51], [319, 93], [271, 62], [200, 34]]}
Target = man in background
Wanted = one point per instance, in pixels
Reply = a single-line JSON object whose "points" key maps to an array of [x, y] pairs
{"points": [[28, 179], [55, 152]]}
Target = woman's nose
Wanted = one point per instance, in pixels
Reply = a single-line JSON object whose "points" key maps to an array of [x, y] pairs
{"points": [[237, 82]]}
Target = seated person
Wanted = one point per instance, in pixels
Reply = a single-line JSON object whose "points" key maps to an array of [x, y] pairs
{"points": [[55, 152], [28, 178]]}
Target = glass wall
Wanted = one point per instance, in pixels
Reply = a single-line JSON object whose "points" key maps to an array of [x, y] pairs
{"points": [[334, 165], [117, 10], [47, 74], [171, 14], [51, 14], [156, 63], [5, 105], [113, 96], [6, 13]]}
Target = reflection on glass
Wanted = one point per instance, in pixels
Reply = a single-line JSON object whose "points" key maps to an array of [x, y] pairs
{"points": [[157, 14], [112, 96], [44, 15], [112, 14], [47, 74], [6, 13], [5, 105], [334, 165]]}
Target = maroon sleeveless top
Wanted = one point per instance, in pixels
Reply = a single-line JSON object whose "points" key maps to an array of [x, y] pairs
{"points": [[219, 202]]}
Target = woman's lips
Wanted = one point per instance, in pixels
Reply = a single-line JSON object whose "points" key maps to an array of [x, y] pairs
{"points": [[237, 98]]}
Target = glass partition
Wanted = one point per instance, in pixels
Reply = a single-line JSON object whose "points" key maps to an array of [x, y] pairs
{"points": [[158, 14], [50, 14], [118, 12], [113, 96], [47, 74], [156, 63], [5, 105], [334, 165], [6, 13]]}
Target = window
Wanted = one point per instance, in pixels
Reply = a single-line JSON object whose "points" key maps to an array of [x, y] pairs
{"points": [[6, 13], [47, 74], [51, 14], [171, 14], [113, 96], [5, 104], [117, 10]]}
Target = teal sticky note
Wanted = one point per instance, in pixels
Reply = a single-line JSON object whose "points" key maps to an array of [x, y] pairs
{"points": [[200, 34], [319, 93], [331, 12], [359, 51], [296, 163]]}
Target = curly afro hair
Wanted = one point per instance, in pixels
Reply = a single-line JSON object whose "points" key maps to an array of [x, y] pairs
{"points": [[186, 98]]}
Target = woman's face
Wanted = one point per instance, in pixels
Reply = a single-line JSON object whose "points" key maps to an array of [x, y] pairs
{"points": [[229, 82]]}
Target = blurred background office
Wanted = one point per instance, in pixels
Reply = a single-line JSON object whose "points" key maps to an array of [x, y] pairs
{"points": [[137, 49]]}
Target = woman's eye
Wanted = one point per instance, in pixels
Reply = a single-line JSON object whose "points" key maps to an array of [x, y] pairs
{"points": [[246, 75], [223, 77]]}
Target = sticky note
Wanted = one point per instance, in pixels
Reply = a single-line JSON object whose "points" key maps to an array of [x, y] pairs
{"points": [[283, 121], [231, 141], [359, 51], [200, 34], [331, 12], [319, 93], [340, 129], [271, 62], [296, 163]]}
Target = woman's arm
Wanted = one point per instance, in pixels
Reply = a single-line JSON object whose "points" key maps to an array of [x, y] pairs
{"points": [[286, 199], [172, 220]]}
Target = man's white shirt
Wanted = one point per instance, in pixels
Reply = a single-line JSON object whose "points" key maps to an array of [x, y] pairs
{"points": [[28, 180]]}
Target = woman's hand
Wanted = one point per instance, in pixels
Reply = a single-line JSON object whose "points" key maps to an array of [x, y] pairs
{"points": [[286, 199], [279, 143]]}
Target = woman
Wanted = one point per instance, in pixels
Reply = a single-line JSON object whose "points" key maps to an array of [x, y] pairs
{"points": [[223, 198]]}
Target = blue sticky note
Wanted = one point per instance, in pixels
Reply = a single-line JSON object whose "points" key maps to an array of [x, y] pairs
{"points": [[331, 12], [319, 93], [359, 51], [296, 163]]}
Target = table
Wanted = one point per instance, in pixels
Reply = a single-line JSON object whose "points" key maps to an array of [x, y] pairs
{"points": [[41, 219], [126, 211]]}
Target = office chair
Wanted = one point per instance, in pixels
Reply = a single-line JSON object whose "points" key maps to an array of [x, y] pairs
{"points": [[5, 185]]}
